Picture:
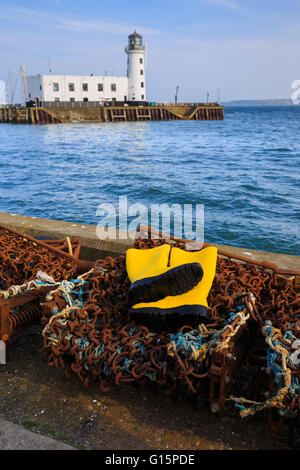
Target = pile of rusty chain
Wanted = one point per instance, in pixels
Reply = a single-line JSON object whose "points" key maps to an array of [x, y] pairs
{"points": [[277, 298], [28, 315], [276, 312], [98, 341], [21, 258], [283, 360]]}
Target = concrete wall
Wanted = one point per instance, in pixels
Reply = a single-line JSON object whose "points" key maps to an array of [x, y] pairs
{"points": [[93, 248], [68, 112], [88, 114]]}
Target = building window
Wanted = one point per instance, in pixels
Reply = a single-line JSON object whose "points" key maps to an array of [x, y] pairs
{"points": [[113, 87], [85, 100], [141, 61], [71, 87], [72, 100], [40, 87], [142, 84], [85, 87], [143, 97], [100, 87], [56, 100], [29, 94], [142, 72], [55, 87]]}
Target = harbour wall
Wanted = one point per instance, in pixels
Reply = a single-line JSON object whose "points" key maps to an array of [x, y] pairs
{"points": [[62, 114], [93, 248]]}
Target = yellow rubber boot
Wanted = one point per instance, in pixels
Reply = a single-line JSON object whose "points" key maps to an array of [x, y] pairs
{"points": [[190, 308], [153, 279]]}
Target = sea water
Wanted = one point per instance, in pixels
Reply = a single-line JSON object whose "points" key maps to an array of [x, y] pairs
{"points": [[244, 170]]}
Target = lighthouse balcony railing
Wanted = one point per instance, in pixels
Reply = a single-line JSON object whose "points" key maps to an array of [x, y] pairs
{"points": [[134, 47]]}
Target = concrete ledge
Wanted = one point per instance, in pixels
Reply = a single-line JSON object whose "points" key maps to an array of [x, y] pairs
{"points": [[93, 248], [15, 437]]}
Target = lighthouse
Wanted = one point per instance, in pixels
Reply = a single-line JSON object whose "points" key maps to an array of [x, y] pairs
{"points": [[136, 68]]}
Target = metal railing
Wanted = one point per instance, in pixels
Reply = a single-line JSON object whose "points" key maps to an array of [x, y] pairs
{"points": [[186, 104], [70, 104], [17, 105], [86, 104]]}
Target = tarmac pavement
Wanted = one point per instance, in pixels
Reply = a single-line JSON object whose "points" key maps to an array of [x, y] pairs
{"points": [[15, 437]]}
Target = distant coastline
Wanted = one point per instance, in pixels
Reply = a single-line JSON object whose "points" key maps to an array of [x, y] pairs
{"points": [[278, 102]]}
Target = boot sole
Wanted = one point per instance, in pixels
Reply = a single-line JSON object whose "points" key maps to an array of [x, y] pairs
{"points": [[174, 282], [159, 319]]}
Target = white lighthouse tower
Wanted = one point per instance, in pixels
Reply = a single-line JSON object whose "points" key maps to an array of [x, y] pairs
{"points": [[136, 68]]}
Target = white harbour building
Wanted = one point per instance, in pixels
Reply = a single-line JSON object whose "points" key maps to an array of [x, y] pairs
{"points": [[93, 88], [2, 93]]}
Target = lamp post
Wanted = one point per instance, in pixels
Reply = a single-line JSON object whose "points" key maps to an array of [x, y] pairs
{"points": [[176, 95]]}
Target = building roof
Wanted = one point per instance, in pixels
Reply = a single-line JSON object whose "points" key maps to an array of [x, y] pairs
{"points": [[135, 35]]}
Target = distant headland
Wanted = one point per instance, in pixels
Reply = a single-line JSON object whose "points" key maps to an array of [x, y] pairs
{"points": [[277, 102]]}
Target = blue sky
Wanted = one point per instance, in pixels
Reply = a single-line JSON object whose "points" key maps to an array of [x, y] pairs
{"points": [[246, 49]]}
